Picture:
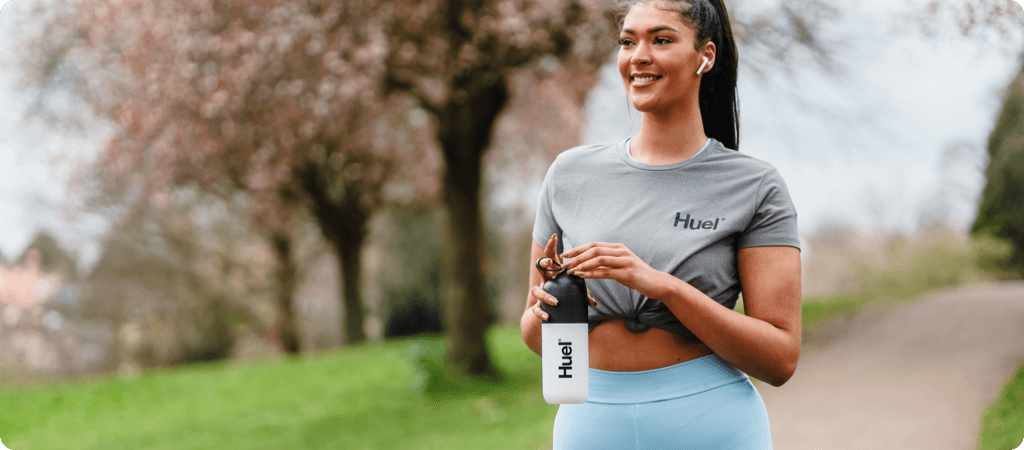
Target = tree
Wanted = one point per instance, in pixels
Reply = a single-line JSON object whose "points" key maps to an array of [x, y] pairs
{"points": [[154, 274], [277, 99], [454, 57], [1001, 209]]}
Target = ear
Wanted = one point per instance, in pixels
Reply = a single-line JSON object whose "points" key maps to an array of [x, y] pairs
{"points": [[708, 51]]}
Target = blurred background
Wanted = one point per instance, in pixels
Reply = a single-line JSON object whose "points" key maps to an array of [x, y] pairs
{"points": [[241, 182]]}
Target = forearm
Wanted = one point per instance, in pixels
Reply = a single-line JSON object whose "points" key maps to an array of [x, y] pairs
{"points": [[530, 326], [760, 349]]}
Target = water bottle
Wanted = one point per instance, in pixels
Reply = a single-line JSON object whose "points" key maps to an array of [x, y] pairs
{"points": [[565, 349]]}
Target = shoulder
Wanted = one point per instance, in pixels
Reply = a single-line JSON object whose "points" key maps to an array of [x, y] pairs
{"points": [[729, 159], [577, 164], [740, 167], [587, 155]]}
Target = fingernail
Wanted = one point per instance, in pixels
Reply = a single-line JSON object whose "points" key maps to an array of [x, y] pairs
{"points": [[554, 301]]}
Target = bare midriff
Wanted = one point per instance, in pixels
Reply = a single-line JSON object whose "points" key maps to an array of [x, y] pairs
{"points": [[614, 348]]}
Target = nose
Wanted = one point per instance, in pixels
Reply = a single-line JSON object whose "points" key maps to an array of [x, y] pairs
{"points": [[642, 54]]}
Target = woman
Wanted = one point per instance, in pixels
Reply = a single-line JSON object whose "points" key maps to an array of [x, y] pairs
{"points": [[667, 228]]}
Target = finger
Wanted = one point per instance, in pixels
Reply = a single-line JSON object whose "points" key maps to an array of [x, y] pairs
{"points": [[540, 312], [551, 251], [554, 253], [602, 273], [610, 262], [583, 248], [540, 295], [590, 298], [595, 252], [572, 253]]}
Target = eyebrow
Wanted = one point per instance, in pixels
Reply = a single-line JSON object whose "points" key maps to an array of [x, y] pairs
{"points": [[653, 30]]}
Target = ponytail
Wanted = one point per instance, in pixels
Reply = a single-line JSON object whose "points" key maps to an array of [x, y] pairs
{"points": [[719, 107]]}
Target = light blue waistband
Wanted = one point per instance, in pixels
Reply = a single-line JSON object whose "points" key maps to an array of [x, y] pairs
{"points": [[678, 380]]}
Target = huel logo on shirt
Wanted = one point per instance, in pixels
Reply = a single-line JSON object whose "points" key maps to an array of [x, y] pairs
{"points": [[696, 224]]}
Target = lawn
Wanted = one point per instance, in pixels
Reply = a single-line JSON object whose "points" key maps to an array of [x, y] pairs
{"points": [[355, 398]]}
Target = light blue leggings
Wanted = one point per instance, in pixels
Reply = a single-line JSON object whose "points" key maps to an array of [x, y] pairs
{"points": [[704, 403]]}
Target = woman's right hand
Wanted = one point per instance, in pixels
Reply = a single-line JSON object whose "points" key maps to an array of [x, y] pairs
{"points": [[552, 261]]}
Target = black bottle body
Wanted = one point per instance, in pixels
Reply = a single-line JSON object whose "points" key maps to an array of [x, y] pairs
{"points": [[571, 292]]}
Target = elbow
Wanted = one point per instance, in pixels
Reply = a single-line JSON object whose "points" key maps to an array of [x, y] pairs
{"points": [[780, 378], [784, 371]]}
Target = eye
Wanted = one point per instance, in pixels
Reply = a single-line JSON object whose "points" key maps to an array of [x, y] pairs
{"points": [[625, 42], [662, 40]]}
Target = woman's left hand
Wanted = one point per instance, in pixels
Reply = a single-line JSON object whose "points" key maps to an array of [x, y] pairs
{"points": [[614, 262]]}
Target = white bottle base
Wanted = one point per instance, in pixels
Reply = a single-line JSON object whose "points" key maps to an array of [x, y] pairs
{"points": [[565, 365]]}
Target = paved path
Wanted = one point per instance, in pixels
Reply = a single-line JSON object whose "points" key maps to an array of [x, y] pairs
{"points": [[917, 377]]}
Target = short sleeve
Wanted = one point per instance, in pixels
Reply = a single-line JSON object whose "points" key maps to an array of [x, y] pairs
{"points": [[545, 225], [774, 219]]}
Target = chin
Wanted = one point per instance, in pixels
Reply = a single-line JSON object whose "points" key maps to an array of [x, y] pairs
{"points": [[645, 106]]}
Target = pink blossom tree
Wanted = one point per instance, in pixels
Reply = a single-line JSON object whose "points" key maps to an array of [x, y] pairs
{"points": [[279, 100]]}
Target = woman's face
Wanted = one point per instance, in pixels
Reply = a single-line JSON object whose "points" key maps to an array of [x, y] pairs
{"points": [[657, 61]]}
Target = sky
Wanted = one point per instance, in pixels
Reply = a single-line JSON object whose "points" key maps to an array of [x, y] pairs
{"points": [[896, 131]]}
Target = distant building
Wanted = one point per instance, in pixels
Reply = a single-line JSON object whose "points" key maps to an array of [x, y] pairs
{"points": [[43, 328]]}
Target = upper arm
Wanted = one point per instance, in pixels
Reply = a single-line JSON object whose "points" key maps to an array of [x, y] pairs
{"points": [[769, 257], [770, 279]]}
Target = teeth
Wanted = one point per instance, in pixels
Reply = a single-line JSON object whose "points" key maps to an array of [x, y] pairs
{"points": [[644, 79]]}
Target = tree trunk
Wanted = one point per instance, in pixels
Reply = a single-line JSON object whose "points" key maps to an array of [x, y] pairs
{"points": [[343, 223], [284, 331], [350, 269], [464, 132]]}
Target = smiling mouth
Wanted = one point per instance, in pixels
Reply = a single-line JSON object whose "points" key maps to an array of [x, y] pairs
{"points": [[645, 79]]}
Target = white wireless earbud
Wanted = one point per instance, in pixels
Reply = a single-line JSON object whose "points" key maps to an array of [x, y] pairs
{"points": [[701, 70]]}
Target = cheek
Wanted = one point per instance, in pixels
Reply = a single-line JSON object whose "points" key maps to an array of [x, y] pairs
{"points": [[623, 63]]}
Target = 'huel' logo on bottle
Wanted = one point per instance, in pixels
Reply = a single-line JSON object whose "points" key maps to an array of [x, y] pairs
{"points": [[566, 359], [694, 224]]}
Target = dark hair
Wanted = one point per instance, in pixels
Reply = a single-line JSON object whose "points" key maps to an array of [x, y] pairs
{"points": [[719, 107]]}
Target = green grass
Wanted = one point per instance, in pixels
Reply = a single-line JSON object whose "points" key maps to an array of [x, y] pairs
{"points": [[1002, 427], [816, 311], [356, 398]]}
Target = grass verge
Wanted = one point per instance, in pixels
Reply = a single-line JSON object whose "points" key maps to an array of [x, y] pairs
{"points": [[1002, 427], [366, 397]]}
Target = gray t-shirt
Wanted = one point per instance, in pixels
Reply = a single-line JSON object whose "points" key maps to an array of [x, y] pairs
{"points": [[688, 219]]}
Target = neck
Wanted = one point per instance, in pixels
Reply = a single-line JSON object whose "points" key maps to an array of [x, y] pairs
{"points": [[669, 137]]}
